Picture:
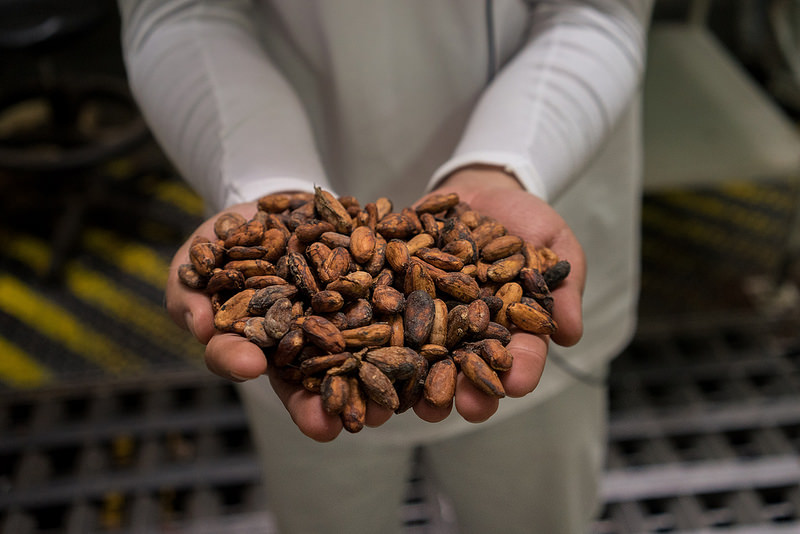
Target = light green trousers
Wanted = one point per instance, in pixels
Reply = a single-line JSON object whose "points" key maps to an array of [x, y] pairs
{"points": [[534, 472]]}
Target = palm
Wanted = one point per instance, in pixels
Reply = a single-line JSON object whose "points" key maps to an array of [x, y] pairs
{"points": [[531, 218]]}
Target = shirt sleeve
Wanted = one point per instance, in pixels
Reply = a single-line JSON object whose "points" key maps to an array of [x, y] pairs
{"points": [[549, 109], [214, 101]]}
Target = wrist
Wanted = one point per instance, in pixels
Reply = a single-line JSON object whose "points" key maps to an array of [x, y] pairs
{"points": [[478, 177]]}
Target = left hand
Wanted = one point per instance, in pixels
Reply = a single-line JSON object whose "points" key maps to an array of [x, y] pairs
{"points": [[494, 193]]}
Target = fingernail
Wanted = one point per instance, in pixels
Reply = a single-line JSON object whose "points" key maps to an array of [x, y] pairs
{"points": [[238, 378], [188, 319]]}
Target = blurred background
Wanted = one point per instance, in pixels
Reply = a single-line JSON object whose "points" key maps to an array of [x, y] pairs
{"points": [[109, 421]]}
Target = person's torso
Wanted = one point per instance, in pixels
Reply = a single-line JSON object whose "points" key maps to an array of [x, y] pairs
{"points": [[389, 85]]}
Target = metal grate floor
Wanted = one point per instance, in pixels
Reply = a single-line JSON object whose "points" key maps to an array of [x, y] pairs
{"points": [[172, 454], [704, 437], [705, 431]]}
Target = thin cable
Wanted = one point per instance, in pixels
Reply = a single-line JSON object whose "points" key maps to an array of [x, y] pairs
{"points": [[490, 45]]}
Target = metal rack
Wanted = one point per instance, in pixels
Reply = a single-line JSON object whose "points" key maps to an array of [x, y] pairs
{"points": [[705, 431], [704, 436], [169, 454]]}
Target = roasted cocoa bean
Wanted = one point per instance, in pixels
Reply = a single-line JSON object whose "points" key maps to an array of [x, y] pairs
{"points": [[417, 278], [438, 202], [433, 353], [225, 280], [388, 300], [323, 363], [189, 276], [274, 203], [251, 268], [377, 386], [459, 286], [227, 222], [373, 335], [248, 234], [334, 390], [395, 226], [556, 274], [354, 414], [362, 244], [255, 332], [506, 269], [478, 316], [397, 255], [288, 348], [262, 299], [335, 265], [247, 253], [322, 333], [358, 313], [398, 363], [501, 247], [508, 293], [326, 302], [302, 274], [495, 354], [479, 373], [418, 318], [442, 260], [237, 307], [531, 319], [440, 384], [457, 325], [206, 257], [331, 210], [278, 318], [310, 232]]}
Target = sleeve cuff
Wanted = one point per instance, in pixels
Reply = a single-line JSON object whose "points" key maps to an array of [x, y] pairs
{"points": [[517, 166]]}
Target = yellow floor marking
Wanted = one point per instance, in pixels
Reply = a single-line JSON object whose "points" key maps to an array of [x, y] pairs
{"points": [[33, 252], [715, 238], [133, 258], [181, 196], [146, 319], [58, 324], [778, 198], [741, 217], [18, 369], [100, 292]]}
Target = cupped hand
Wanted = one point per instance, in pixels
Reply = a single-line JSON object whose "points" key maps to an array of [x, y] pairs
{"points": [[492, 192], [233, 357]]}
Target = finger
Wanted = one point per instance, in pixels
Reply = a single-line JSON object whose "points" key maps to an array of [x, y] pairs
{"points": [[377, 414], [306, 410], [189, 309], [530, 353], [568, 314], [568, 296], [231, 356], [471, 403], [430, 413]]}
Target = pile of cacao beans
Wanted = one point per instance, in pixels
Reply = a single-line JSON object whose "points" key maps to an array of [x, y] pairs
{"points": [[359, 303]]}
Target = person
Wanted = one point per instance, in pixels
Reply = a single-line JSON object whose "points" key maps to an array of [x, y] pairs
{"points": [[528, 110]]}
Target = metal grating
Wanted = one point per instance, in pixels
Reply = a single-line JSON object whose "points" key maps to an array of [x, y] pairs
{"points": [[705, 431], [136, 457], [169, 454], [704, 437]]}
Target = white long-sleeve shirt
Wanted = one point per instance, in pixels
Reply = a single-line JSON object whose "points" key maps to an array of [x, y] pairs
{"points": [[384, 97]]}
